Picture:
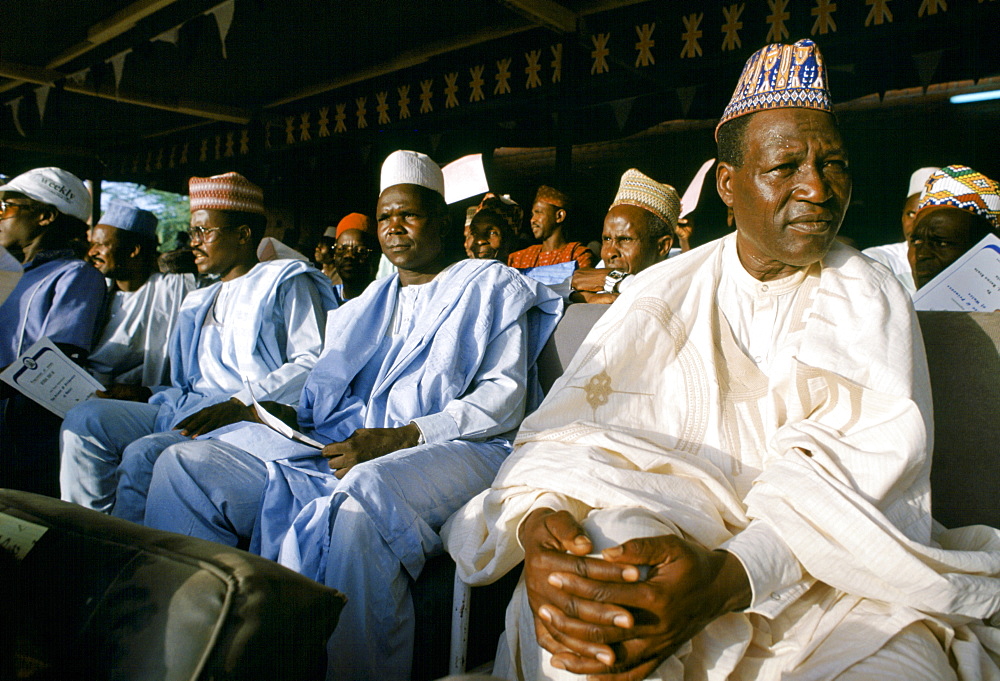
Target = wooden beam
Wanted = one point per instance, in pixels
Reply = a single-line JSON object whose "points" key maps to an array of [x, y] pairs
{"points": [[121, 21], [547, 13], [40, 76], [55, 150], [112, 27], [605, 5]]}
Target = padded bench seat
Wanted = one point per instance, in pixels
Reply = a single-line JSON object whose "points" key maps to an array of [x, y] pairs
{"points": [[102, 598]]}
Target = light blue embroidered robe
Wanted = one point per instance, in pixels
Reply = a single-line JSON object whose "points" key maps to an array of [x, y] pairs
{"points": [[254, 331], [456, 374]]}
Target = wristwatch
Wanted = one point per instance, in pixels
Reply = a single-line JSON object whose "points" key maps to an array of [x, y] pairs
{"points": [[613, 279]]}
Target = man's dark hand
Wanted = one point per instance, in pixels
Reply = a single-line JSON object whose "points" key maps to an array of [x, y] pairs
{"points": [[282, 412], [130, 393], [589, 279], [684, 228], [688, 586], [216, 416], [602, 298], [555, 544], [366, 444]]}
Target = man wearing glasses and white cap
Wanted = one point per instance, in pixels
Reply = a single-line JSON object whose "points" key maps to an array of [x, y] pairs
{"points": [[261, 326], [59, 296]]}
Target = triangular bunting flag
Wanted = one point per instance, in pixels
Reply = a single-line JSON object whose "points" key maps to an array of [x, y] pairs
{"points": [[927, 63], [622, 108], [223, 14], [42, 96], [14, 105], [118, 63], [80, 77], [170, 36], [686, 95]]}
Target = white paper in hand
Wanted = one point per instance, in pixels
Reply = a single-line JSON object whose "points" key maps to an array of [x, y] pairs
{"points": [[463, 178], [970, 284], [46, 375], [276, 424], [691, 195], [270, 248]]}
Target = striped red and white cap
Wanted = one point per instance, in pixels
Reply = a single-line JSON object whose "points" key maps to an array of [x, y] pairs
{"points": [[230, 191]]}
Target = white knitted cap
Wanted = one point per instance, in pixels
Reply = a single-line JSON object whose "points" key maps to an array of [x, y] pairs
{"points": [[411, 167]]}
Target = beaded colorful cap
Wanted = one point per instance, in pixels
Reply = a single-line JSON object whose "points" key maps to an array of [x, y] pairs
{"points": [[553, 196], [780, 77], [962, 187], [503, 207], [230, 191], [640, 190]]}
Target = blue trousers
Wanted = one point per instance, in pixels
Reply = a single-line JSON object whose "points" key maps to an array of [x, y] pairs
{"points": [[108, 450], [381, 523]]}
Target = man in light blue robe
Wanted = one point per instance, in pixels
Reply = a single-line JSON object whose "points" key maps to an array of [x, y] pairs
{"points": [[42, 213], [259, 328], [141, 304], [423, 380]]}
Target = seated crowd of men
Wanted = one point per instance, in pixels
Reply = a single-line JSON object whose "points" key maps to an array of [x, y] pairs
{"points": [[729, 481]]}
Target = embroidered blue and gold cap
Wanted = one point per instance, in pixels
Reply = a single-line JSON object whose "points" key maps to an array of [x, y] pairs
{"points": [[780, 76]]}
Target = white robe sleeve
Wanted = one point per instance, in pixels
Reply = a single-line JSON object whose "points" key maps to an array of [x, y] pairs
{"points": [[775, 574]]}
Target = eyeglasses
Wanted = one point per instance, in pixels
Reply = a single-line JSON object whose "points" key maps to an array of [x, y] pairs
{"points": [[205, 236], [7, 206], [358, 251]]}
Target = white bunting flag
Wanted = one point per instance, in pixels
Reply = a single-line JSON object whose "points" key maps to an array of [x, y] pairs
{"points": [[42, 96], [622, 108], [118, 63], [686, 95], [14, 105], [223, 14], [80, 77], [169, 36]]}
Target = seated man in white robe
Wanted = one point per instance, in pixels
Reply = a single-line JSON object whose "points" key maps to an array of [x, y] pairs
{"points": [[423, 381], [142, 304], [894, 255], [639, 231], [731, 479], [257, 332]]}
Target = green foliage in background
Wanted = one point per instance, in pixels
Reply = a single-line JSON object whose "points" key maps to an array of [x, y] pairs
{"points": [[173, 210]]}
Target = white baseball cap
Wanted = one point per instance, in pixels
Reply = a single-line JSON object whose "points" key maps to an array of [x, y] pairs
{"points": [[411, 167], [56, 187]]}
